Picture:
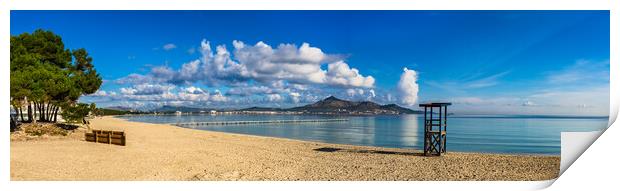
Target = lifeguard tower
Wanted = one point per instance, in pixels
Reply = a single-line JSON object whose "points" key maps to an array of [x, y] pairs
{"points": [[435, 125]]}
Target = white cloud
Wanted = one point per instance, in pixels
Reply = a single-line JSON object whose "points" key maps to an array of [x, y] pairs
{"points": [[467, 100], [528, 103], [372, 93], [263, 64], [188, 71], [253, 90], [597, 97], [218, 97], [294, 97], [133, 79], [169, 46], [475, 81], [408, 87], [339, 73], [488, 81], [582, 72], [193, 90], [351, 92], [250, 74], [162, 73], [99, 93], [273, 97], [146, 89]]}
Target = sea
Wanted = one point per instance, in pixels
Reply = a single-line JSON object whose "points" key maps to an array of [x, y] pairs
{"points": [[507, 134]]}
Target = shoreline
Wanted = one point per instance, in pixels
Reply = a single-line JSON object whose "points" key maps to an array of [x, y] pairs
{"points": [[169, 152]]}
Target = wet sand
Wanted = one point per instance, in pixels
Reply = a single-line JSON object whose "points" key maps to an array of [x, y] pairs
{"points": [[166, 152]]}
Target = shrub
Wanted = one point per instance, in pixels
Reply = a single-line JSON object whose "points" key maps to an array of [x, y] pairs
{"points": [[43, 129]]}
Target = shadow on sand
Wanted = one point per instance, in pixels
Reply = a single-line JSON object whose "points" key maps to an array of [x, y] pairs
{"points": [[68, 127], [332, 149]]}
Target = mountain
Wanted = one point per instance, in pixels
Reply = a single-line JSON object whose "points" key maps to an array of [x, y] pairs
{"points": [[330, 105], [335, 105], [261, 109], [119, 108], [327, 105]]}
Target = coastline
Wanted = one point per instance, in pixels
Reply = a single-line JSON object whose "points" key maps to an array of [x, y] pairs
{"points": [[168, 152]]}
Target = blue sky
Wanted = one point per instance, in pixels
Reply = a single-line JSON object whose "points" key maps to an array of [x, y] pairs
{"points": [[485, 62]]}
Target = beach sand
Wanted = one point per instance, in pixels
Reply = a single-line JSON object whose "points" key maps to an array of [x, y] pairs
{"points": [[166, 152]]}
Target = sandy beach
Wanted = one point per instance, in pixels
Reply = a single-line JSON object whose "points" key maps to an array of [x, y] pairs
{"points": [[166, 152]]}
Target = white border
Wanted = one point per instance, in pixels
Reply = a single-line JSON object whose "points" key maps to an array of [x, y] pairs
{"points": [[569, 179]]}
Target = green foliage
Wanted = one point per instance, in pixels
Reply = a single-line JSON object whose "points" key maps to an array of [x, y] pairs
{"points": [[105, 111], [46, 74], [75, 113]]}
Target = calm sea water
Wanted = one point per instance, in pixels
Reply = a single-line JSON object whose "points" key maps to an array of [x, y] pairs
{"points": [[488, 134]]}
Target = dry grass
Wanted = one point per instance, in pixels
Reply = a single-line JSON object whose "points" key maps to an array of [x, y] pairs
{"points": [[31, 131], [43, 129]]}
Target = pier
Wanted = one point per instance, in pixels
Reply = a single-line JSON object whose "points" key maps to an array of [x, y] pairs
{"points": [[208, 123]]}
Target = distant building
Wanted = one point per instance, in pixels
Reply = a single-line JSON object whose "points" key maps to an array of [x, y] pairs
{"points": [[178, 112]]}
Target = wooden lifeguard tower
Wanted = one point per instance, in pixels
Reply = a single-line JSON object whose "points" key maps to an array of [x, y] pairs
{"points": [[435, 125]]}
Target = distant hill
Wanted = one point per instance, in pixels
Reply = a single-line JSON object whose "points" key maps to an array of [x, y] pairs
{"points": [[119, 108], [328, 105], [261, 109], [108, 111], [121, 111], [333, 104]]}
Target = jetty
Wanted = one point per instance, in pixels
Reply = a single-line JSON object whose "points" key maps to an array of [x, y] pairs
{"points": [[208, 123]]}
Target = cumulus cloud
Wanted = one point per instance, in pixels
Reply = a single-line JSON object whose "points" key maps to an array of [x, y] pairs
{"points": [[339, 73], [252, 90], [133, 79], [169, 46], [193, 90], [260, 63], [408, 87], [147, 89], [249, 74], [294, 97], [273, 97], [99, 93]]}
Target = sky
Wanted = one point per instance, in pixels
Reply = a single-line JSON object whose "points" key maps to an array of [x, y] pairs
{"points": [[484, 62]]}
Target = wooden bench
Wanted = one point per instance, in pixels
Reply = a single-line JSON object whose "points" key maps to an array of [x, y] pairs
{"points": [[108, 137]]}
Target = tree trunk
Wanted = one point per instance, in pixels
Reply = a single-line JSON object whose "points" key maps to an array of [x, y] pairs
{"points": [[21, 113], [41, 112], [29, 112], [35, 110], [16, 111], [34, 113], [52, 113], [48, 112], [38, 105], [55, 113], [42, 105]]}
